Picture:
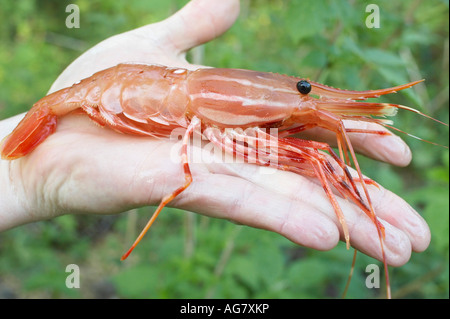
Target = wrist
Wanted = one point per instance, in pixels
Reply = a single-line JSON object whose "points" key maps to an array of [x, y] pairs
{"points": [[12, 212]]}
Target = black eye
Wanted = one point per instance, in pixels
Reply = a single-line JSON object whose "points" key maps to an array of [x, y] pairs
{"points": [[304, 87]]}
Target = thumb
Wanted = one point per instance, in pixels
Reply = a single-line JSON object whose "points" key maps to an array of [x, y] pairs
{"points": [[200, 21]]}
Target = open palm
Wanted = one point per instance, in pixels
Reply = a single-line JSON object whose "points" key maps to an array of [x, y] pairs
{"points": [[83, 168]]}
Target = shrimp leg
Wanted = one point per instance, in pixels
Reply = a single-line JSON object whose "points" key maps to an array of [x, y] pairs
{"points": [[195, 122]]}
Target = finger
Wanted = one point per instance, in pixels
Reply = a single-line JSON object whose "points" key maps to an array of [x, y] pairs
{"points": [[398, 213], [254, 206], [309, 195], [200, 21], [388, 148], [405, 229]]}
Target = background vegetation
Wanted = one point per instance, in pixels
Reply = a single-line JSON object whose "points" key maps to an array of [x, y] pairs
{"points": [[190, 256]]}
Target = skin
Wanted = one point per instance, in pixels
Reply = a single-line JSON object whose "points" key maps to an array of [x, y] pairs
{"points": [[84, 168]]}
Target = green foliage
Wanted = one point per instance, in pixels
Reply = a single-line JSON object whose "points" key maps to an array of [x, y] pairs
{"points": [[326, 41]]}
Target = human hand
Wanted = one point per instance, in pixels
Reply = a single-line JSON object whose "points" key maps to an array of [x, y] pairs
{"points": [[83, 168]]}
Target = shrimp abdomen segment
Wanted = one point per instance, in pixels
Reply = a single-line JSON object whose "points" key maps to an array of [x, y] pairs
{"points": [[135, 99]]}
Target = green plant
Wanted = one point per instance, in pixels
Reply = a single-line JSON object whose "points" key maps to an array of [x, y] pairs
{"points": [[324, 40]]}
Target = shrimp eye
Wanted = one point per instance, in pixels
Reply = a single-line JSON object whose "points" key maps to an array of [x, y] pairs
{"points": [[304, 87]]}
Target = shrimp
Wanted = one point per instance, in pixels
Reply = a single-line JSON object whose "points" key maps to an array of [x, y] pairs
{"points": [[232, 108]]}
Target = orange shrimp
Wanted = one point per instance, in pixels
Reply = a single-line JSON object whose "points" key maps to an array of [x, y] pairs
{"points": [[232, 108]]}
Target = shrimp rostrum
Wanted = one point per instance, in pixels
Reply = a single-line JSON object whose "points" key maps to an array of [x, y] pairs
{"points": [[233, 109]]}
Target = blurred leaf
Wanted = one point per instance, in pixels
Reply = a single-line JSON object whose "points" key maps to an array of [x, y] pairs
{"points": [[438, 218], [139, 281], [315, 59], [307, 274], [306, 18], [326, 41], [244, 270], [381, 57]]}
